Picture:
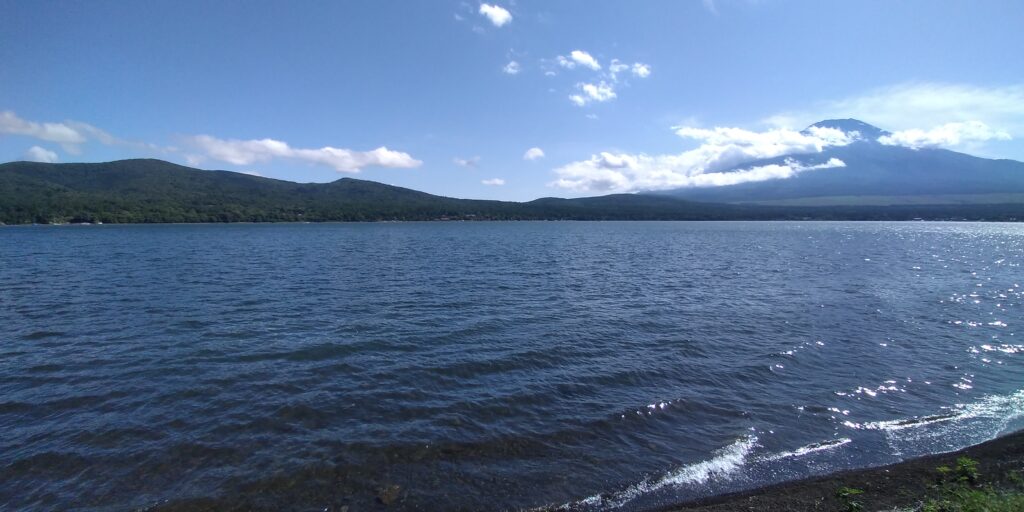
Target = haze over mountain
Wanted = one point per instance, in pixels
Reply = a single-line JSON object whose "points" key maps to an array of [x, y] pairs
{"points": [[872, 168]]}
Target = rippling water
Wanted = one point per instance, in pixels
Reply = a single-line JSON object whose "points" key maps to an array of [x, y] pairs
{"points": [[490, 366]]}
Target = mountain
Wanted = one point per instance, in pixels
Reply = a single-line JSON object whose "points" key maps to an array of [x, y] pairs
{"points": [[876, 174], [864, 130], [130, 191], [158, 191]]}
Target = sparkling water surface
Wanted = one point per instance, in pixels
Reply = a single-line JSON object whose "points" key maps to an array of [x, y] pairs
{"points": [[492, 366]]}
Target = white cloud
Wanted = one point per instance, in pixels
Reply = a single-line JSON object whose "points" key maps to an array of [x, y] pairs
{"points": [[608, 173], [493, 182], [584, 59], [578, 58], [639, 69], [466, 162], [533, 153], [38, 154], [498, 15], [246, 152], [512, 68], [599, 92], [949, 134], [721, 149]]}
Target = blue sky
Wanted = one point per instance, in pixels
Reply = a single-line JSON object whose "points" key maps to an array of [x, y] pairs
{"points": [[265, 87]]}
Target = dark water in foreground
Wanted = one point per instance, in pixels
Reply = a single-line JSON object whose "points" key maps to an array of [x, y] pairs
{"points": [[493, 365]]}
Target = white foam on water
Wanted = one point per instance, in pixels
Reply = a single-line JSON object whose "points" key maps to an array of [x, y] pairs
{"points": [[722, 465], [1001, 408], [964, 425], [811, 448]]}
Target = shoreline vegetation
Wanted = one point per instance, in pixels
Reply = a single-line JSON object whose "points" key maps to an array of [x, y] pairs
{"points": [[158, 192], [985, 477]]}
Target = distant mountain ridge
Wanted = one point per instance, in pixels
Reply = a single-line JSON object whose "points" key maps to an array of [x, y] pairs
{"points": [[146, 190], [154, 191], [873, 172]]}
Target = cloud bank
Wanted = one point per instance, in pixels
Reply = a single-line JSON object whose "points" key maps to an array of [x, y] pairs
{"points": [[721, 149], [247, 152]]}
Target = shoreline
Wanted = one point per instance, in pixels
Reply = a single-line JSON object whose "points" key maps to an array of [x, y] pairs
{"points": [[455, 221], [901, 485]]}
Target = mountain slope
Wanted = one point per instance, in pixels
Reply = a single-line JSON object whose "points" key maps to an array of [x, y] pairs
{"points": [[158, 191], [873, 172]]}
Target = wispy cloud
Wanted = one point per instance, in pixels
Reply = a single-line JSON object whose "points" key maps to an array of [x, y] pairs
{"points": [[913, 105], [247, 152], [61, 133], [512, 68], [494, 182], [947, 135], [38, 154], [639, 69], [713, 163], [71, 135], [472, 161], [533, 153], [499, 16]]}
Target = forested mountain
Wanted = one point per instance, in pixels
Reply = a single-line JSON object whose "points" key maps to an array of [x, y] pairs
{"points": [[130, 191]]}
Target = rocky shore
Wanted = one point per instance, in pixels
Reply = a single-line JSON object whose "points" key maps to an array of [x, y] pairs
{"points": [[907, 485]]}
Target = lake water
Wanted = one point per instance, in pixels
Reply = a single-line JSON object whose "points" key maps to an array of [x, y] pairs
{"points": [[492, 366]]}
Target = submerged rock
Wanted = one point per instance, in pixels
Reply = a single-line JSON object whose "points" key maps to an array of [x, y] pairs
{"points": [[389, 494]]}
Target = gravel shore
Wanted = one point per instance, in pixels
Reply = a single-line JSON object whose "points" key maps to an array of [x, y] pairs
{"points": [[897, 486]]}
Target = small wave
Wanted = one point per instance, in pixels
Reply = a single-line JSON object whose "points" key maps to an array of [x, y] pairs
{"points": [[41, 335], [890, 425], [1000, 407], [722, 465], [811, 448]]}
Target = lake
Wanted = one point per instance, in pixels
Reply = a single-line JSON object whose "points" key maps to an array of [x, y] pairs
{"points": [[492, 366]]}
